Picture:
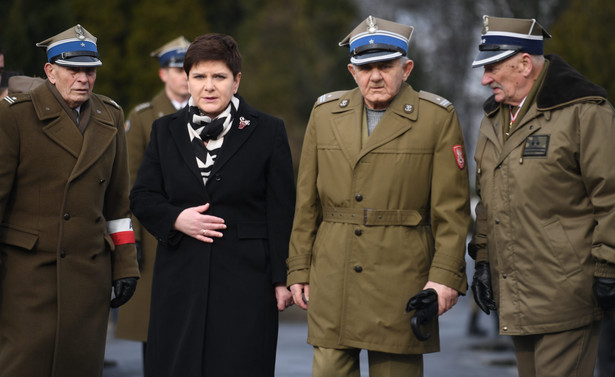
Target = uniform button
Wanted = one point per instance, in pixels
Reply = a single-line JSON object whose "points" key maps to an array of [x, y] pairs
{"points": [[504, 276], [497, 221], [62, 254], [358, 268], [98, 219], [505, 328], [66, 216], [358, 197], [358, 232], [101, 181]]}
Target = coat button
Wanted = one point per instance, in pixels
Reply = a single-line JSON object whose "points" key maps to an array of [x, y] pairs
{"points": [[218, 177], [358, 197], [100, 182], [358, 232], [504, 276], [505, 328], [497, 221], [358, 268], [62, 254], [66, 216]]}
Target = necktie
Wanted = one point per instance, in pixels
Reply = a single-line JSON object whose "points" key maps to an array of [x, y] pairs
{"points": [[76, 115]]}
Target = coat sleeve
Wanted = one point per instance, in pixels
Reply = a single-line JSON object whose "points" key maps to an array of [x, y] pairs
{"points": [[308, 211], [597, 137], [280, 203], [450, 208], [116, 207], [148, 200]]}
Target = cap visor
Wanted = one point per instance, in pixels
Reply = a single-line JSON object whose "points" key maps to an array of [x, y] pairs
{"points": [[79, 61], [490, 57], [372, 57]]}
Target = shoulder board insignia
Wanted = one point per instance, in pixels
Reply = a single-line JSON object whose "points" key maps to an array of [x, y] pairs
{"points": [[434, 98], [110, 102], [330, 97], [16, 98], [142, 106]]}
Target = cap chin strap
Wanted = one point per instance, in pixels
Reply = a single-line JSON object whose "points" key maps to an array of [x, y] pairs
{"points": [[378, 47], [498, 47], [73, 54]]}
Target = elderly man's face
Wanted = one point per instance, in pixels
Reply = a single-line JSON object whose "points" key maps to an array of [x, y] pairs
{"points": [[506, 80], [75, 84], [380, 82]]}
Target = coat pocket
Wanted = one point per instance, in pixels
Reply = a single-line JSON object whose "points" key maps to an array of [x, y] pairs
{"points": [[562, 248], [19, 237]]}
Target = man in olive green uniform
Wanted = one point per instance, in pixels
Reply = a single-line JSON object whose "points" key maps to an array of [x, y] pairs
{"points": [[544, 242], [382, 212], [66, 237], [133, 318]]}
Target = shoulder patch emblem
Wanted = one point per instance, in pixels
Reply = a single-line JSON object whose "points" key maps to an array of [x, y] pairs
{"points": [[458, 153], [434, 98]]}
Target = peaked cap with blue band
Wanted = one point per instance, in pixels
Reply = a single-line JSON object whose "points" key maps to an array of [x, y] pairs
{"points": [[75, 47], [375, 40], [504, 37], [172, 53]]}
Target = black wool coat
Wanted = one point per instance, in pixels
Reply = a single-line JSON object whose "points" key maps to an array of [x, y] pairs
{"points": [[213, 309]]}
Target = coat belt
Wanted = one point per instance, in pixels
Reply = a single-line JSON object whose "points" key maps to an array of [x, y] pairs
{"points": [[375, 217]]}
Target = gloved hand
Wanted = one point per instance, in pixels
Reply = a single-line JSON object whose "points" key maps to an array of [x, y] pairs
{"points": [[481, 287], [140, 257], [426, 305], [605, 292], [124, 289]]}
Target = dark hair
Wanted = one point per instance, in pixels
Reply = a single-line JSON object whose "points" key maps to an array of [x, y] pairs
{"points": [[213, 47]]}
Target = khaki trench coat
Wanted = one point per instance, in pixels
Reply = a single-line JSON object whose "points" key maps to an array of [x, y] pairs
{"points": [[547, 204], [133, 317], [58, 189], [373, 224]]}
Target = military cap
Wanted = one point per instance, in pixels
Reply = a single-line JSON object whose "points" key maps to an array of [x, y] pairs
{"points": [[504, 37], [172, 53], [75, 47], [375, 40]]}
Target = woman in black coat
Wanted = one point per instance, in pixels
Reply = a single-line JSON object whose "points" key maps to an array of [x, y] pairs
{"points": [[216, 188]]}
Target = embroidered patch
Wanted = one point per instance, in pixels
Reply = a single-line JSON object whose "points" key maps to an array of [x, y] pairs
{"points": [[458, 152], [536, 146]]}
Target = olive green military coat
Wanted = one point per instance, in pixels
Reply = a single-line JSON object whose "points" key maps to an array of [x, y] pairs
{"points": [[58, 189], [133, 317], [373, 224], [546, 213]]}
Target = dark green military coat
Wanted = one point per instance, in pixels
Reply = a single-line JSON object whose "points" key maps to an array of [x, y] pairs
{"points": [[133, 317], [373, 224], [58, 191]]}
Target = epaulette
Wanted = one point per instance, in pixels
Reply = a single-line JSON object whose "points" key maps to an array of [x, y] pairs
{"points": [[110, 102], [329, 97], [142, 106], [441, 101], [16, 98]]}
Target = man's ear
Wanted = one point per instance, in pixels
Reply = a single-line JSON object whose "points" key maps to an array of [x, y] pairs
{"points": [[50, 72]]}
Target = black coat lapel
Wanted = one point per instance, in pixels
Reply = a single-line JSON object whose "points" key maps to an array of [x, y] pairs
{"points": [[179, 131], [245, 122]]}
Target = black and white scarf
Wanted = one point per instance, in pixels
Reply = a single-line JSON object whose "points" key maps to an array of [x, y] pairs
{"points": [[207, 135]]}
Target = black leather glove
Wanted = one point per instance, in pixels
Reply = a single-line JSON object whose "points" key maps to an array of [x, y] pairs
{"points": [[140, 257], [605, 292], [426, 305], [481, 287], [123, 289]]}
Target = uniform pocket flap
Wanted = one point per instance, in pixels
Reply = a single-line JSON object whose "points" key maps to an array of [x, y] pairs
{"points": [[25, 239], [252, 230]]}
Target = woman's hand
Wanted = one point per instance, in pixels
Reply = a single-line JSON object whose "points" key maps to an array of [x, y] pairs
{"points": [[283, 297], [194, 223]]}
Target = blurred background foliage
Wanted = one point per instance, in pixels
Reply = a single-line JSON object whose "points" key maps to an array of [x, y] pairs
{"points": [[290, 50]]}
